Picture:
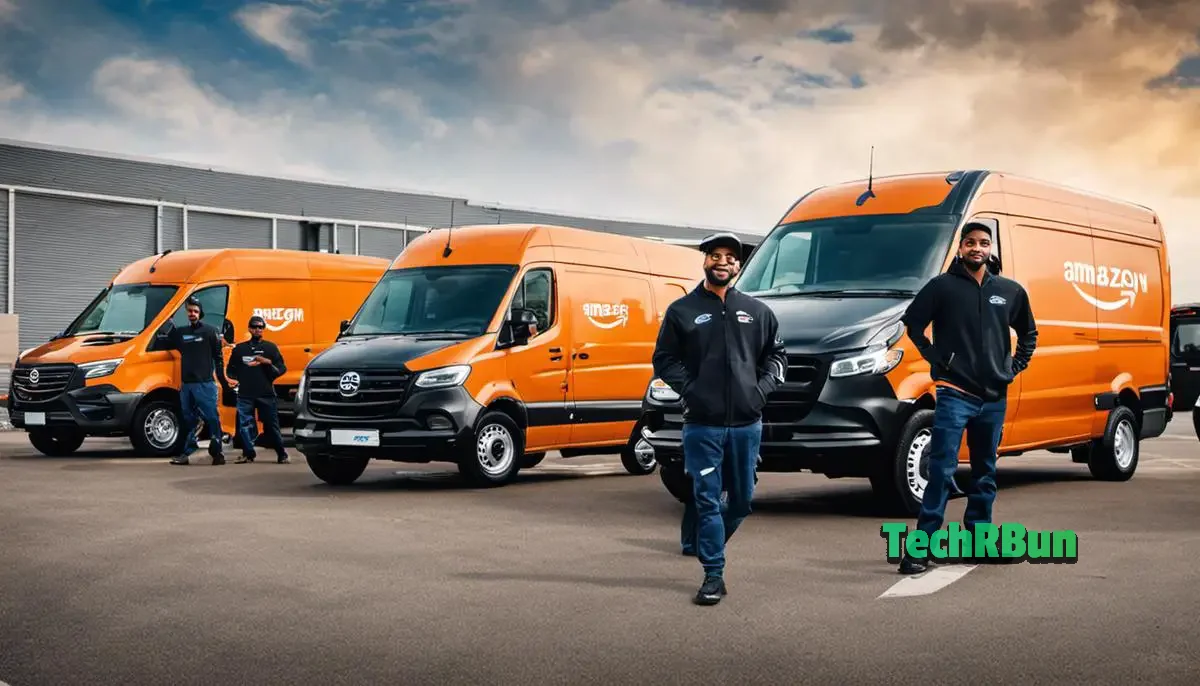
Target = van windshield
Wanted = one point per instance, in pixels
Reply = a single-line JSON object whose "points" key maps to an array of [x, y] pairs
{"points": [[122, 310], [880, 254], [434, 300]]}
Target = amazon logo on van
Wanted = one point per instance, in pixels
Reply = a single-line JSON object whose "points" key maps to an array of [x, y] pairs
{"points": [[1125, 282], [606, 315], [278, 318]]}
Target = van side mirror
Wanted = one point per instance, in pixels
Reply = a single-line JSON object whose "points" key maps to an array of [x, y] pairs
{"points": [[994, 266], [521, 323], [343, 327], [157, 342], [227, 331]]}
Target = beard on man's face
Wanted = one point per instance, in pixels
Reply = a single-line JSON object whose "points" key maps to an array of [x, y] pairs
{"points": [[721, 278]]}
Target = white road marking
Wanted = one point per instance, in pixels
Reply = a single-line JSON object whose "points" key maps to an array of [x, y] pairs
{"points": [[930, 582]]}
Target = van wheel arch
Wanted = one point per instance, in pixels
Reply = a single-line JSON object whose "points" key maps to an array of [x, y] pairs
{"points": [[512, 407], [1115, 455]]}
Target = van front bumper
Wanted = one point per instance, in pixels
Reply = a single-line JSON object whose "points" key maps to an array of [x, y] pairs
{"points": [[102, 410], [850, 426], [430, 426]]}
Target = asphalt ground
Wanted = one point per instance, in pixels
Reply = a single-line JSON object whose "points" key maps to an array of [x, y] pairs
{"points": [[126, 570]]}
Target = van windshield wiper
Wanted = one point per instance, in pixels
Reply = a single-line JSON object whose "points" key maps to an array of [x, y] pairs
{"points": [[866, 292]]}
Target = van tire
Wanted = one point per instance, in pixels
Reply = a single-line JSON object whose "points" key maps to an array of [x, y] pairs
{"points": [[630, 459], [497, 440], [1196, 421], [56, 442], [891, 482], [676, 481], [1114, 457], [164, 419], [337, 471], [532, 460]]}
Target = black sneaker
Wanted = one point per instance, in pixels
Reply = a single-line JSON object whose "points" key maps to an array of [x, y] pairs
{"points": [[911, 565], [283, 459], [244, 458], [711, 591], [181, 459]]}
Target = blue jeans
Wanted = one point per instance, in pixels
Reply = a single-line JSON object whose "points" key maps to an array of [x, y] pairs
{"points": [[718, 459], [199, 402], [983, 423], [268, 412]]}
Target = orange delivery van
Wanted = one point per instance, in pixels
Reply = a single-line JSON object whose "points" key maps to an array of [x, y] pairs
{"points": [[844, 262], [104, 376], [487, 346]]}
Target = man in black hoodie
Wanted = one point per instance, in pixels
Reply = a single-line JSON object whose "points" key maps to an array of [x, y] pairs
{"points": [[720, 350], [972, 365], [255, 364], [199, 347]]}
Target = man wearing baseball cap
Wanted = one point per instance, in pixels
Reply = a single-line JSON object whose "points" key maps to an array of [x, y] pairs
{"points": [[254, 365], [972, 365], [720, 350]]}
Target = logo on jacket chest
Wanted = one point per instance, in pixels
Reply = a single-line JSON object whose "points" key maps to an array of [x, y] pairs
{"points": [[997, 300], [744, 317]]}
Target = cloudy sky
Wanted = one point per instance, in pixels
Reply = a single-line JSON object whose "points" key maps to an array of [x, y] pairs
{"points": [[712, 112]]}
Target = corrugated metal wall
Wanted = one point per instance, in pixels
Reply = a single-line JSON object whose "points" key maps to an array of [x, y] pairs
{"points": [[222, 231], [4, 250], [67, 250]]}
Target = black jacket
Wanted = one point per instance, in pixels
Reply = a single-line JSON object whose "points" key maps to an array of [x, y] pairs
{"points": [[971, 346], [722, 358], [199, 347], [255, 382]]}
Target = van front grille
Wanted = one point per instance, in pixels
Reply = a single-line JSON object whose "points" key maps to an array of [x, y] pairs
{"points": [[367, 394], [41, 383]]}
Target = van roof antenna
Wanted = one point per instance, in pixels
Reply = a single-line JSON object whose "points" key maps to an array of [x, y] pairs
{"points": [[155, 262], [447, 250], [870, 193]]}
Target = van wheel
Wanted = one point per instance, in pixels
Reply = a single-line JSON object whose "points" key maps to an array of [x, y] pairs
{"points": [[337, 471], [1196, 420], [56, 442], [676, 481], [532, 460], [638, 456], [157, 429], [1115, 456], [900, 483], [492, 459]]}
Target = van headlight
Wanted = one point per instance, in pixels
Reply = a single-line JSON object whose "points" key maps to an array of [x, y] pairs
{"points": [[92, 370], [877, 359], [444, 377], [303, 386], [660, 391]]}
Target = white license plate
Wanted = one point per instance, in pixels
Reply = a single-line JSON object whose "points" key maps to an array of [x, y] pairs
{"points": [[35, 418], [368, 438]]}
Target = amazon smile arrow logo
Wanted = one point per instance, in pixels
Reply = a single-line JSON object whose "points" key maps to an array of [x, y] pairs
{"points": [[1127, 284]]}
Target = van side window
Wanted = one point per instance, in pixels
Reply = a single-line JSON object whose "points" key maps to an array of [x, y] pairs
{"points": [[214, 301], [536, 293]]}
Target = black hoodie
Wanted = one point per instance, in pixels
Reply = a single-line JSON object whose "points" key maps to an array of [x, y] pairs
{"points": [[971, 346], [723, 358]]}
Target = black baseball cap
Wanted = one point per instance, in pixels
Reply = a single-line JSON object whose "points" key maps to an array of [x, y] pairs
{"points": [[722, 240], [987, 226], [257, 321]]}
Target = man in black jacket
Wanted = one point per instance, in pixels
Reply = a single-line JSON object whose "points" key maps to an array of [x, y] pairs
{"points": [[199, 347], [972, 366], [255, 364], [720, 350]]}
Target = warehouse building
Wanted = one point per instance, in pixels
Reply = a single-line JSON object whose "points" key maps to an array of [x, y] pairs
{"points": [[75, 218]]}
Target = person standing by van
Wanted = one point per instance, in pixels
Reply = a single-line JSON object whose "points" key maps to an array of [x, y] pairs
{"points": [[720, 350], [254, 365], [970, 362], [199, 347]]}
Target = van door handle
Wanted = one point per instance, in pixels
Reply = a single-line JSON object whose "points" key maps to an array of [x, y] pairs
{"points": [[582, 356], [556, 350]]}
